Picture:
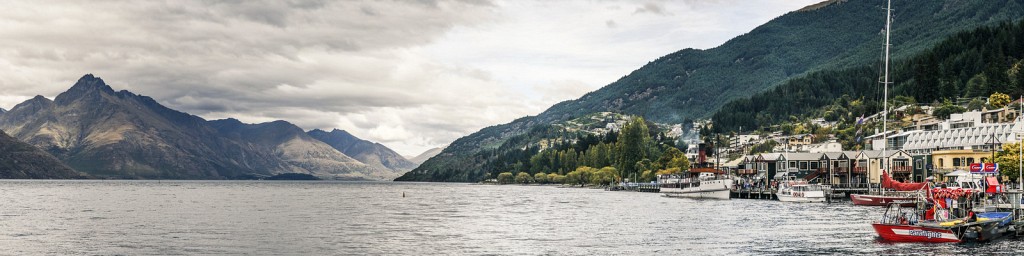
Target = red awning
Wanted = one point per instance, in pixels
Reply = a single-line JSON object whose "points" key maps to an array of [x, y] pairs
{"points": [[993, 185]]}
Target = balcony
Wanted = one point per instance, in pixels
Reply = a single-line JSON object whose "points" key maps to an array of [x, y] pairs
{"points": [[840, 170], [860, 170], [835, 171], [747, 172], [902, 169]]}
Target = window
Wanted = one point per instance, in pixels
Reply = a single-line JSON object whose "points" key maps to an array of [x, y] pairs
{"points": [[970, 160], [792, 164], [803, 165], [983, 160], [956, 162], [919, 163], [940, 163], [814, 165]]}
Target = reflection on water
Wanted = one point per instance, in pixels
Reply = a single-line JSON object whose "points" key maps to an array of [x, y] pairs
{"points": [[250, 217]]}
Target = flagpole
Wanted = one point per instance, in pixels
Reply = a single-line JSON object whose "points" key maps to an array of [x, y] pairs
{"points": [[1020, 147]]}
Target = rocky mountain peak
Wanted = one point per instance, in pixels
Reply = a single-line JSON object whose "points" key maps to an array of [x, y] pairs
{"points": [[90, 82], [342, 133], [87, 85], [34, 104]]}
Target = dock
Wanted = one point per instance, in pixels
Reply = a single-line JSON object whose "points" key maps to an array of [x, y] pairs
{"points": [[757, 193]]}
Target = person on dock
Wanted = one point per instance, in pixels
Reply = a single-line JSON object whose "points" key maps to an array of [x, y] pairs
{"points": [[971, 216], [930, 213]]}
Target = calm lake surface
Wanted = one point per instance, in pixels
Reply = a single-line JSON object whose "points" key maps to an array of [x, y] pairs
{"points": [[326, 218]]}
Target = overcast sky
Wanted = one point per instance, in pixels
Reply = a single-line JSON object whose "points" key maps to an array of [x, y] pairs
{"points": [[411, 75]]}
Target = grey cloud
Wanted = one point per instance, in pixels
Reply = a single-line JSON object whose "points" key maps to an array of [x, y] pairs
{"points": [[216, 57], [653, 8], [611, 24], [328, 64]]}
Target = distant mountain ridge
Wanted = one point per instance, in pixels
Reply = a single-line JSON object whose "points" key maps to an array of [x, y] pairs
{"points": [[422, 157], [691, 84], [107, 133], [297, 148], [370, 153]]}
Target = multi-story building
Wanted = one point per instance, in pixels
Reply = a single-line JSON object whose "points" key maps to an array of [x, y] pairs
{"points": [[946, 161], [971, 130]]}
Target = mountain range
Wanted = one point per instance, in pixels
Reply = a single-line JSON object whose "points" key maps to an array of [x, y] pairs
{"points": [[118, 134], [370, 153], [693, 84], [19, 160]]}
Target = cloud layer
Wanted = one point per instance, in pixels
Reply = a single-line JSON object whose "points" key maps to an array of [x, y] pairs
{"points": [[409, 74]]}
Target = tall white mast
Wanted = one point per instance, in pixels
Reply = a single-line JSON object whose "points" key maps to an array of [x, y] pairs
{"points": [[885, 83], [1020, 147]]}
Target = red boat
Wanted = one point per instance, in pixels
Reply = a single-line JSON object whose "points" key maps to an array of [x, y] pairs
{"points": [[915, 233], [937, 225], [905, 197], [880, 200]]}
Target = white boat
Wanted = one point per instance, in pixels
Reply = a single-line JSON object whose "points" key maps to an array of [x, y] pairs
{"points": [[700, 186], [801, 192]]}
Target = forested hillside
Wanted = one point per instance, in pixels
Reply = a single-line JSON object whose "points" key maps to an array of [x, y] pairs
{"points": [[690, 84], [975, 63]]}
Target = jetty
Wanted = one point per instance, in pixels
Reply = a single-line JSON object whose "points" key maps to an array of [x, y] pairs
{"points": [[754, 193]]}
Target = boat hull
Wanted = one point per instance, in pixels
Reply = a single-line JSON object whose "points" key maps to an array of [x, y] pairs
{"points": [[697, 194], [915, 234], [708, 189], [878, 200], [793, 199]]}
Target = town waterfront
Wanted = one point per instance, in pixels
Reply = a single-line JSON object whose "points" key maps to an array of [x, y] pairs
{"points": [[322, 218]]}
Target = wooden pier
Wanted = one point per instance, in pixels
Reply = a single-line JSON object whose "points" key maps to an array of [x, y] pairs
{"points": [[763, 194]]}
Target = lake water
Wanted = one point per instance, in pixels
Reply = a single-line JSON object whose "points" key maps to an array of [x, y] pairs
{"points": [[326, 218]]}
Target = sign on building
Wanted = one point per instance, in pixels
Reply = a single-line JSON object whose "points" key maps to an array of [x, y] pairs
{"points": [[985, 168]]}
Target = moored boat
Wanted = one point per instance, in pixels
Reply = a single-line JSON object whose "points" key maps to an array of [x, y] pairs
{"points": [[702, 184], [905, 193], [801, 192], [882, 200], [905, 224]]}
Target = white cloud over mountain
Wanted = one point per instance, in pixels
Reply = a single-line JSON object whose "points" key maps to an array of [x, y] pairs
{"points": [[412, 75]]}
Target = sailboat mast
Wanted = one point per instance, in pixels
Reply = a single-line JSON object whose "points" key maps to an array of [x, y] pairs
{"points": [[885, 83]]}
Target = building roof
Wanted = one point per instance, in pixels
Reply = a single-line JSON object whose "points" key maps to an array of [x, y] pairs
{"points": [[833, 155], [804, 156], [771, 156], [962, 137], [733, 163]]}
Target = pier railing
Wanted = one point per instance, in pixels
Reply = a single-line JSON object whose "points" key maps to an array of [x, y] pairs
{"points": [[850, 186], [902, 169]]}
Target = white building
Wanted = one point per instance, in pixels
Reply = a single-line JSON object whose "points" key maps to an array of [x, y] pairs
{"points": [[967, 130], [743, 140], [831, 146]]}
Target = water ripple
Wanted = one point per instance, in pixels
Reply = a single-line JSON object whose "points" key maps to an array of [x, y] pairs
{"points": [[326, 218]]}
